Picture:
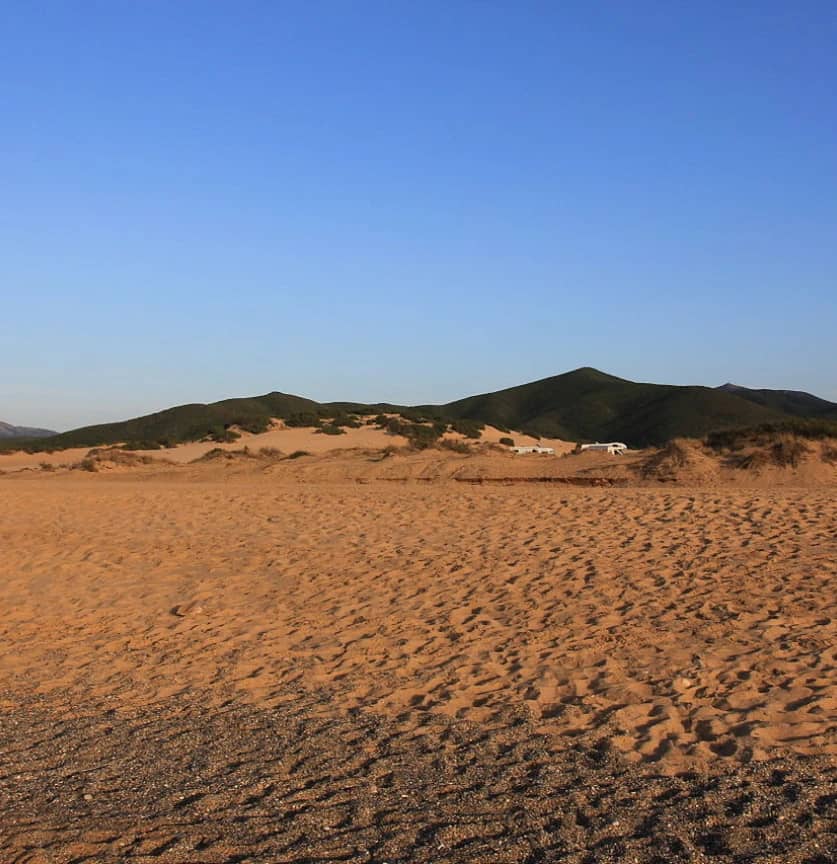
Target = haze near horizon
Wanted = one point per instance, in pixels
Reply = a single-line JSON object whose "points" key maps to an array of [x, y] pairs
{"points": [[414, 204]]}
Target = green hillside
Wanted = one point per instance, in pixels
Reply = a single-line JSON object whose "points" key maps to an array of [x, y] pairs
{"points": [[792, 402], [183, 423], [583, 405], [588, 405]]}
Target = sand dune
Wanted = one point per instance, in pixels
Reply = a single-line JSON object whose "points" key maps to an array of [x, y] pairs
{"points": [[287, 440], [368, 453]]}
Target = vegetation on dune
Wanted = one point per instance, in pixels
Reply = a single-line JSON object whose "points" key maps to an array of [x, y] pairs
{"points": [[455, 446], [784, 444], [346, 421], [420, 416], [270, 453], [224, 436], [508, 442], [829, 454], [669, 459], [767, 433], [303, 420], [789, 451], [467, 427], [219, 453], [754, 461], [420, 433], [255, 426]]}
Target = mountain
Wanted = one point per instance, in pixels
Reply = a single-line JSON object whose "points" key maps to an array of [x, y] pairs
{"points": [[9, 431], [793, 402], [186, 422], [588, 405], [582, 405]]}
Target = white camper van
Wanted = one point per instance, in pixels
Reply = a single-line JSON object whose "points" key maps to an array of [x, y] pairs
{"points": [[549, 451], [615, 448]]}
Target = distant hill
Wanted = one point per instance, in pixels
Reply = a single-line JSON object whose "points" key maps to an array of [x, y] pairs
{"points": [[793, 402], [583, 405], [9, 431], [185, 422], [587, 404]]}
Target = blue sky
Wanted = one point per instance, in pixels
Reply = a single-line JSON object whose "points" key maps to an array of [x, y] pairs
{"points": [[410, 201]]}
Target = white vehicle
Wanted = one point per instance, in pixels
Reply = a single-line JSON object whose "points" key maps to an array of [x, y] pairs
{"points": [[549, 451], [615, 448]]}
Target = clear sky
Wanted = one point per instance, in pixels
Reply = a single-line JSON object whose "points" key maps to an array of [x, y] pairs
{"points": [[410, 201]]}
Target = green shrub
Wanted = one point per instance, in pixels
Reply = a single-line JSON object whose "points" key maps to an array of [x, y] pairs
{"points": [[829, 454], [298, 454], [331, 429], [303, 419], [224, 436], [456, 446], [255, 425], [421, 437], [468, 428], [509, 442], [349, 421], [415, 416], [142, 445], [47, 466], [86, 465]]}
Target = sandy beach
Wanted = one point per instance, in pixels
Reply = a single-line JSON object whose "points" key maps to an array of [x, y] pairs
{"points": [[230, 662], [418, 433]]}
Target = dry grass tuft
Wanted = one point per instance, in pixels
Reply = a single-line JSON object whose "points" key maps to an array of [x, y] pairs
{"points": [[668, 460], [829, 454]]}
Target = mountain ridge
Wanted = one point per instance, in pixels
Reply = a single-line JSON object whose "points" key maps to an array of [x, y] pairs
{"points": [[584, 404], [587, 404], [8, 430], [797, 403]]}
